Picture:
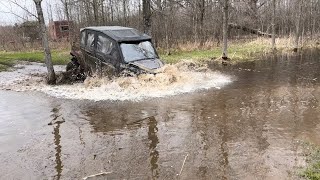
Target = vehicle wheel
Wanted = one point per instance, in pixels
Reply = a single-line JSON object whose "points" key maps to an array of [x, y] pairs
{"points": [[71, 66]]}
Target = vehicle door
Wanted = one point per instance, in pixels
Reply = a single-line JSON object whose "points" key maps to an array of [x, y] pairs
{"points": [[108, 53], [90, 52], [82, 58]]}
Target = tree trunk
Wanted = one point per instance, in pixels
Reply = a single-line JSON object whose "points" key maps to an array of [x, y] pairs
{"points": [[167, 38], [112, 10], [202, 13], [103, 16], [225, 30], [88, 14], [95, 12], [124, 4], [273, 44], [146, 16], [139, 17], [200, 10], [168, 25], [51, 78], [298, 28], [66, 10]]}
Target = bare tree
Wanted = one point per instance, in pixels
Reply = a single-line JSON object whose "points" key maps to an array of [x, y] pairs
{"points": [[175, 22], [273, 44], [146, 8], [182, 21], [95, 12], [200, 12], [298, 25], [124, 4], [225, 29], [51, 77], [103, 15], [66, 11]]}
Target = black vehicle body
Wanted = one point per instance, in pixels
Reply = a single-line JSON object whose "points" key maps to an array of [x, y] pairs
{"points": [[114, 50]]}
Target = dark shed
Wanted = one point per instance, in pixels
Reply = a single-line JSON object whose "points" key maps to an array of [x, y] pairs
{"points": [[59, 30]]}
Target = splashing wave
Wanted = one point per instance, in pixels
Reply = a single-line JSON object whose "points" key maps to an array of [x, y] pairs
{"points": [[170, 80]]}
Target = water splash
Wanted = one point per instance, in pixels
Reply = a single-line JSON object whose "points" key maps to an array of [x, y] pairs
{"points": [[171, 80]]}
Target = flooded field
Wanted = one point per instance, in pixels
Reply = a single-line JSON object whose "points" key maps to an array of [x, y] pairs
{"points": [[248, 125]]}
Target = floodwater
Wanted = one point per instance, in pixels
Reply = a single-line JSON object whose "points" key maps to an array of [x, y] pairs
{"points": [[184, 77], [251, 128]]}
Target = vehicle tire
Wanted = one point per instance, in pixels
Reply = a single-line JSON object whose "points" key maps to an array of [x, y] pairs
{"points": [[71, 66]]}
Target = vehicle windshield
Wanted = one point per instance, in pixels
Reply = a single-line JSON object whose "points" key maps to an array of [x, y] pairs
{"points": [[138, 51]]}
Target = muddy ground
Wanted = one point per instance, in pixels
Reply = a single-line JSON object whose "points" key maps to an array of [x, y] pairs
{"points": [[251, 128]]}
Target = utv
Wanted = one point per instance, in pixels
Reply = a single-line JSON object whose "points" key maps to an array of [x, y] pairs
{"points": [[113, 51]]}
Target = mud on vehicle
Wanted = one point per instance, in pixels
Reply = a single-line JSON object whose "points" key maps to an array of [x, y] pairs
{"points": [[113, 51]]}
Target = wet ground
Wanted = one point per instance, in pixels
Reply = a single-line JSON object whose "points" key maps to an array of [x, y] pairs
{"points": [[249, 129]]}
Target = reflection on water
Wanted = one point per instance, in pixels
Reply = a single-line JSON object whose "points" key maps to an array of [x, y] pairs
{"points": [[57, 138], [224, 162], [154, 141], [249, 130], [116, 119]]}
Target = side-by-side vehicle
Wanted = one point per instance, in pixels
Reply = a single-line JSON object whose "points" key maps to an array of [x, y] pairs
{"points": [[114, 50]]}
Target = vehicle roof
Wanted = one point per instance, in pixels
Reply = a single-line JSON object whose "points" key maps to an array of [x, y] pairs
{"points": [[119, 33]]}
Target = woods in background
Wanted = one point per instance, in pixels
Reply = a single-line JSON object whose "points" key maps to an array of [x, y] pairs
{"points": [[172, 22]]}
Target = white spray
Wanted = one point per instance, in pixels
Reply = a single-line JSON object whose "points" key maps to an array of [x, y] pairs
{"points": [[170, 80]]}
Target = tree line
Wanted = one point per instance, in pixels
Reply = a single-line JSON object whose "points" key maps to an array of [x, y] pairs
{"points": [[181, 21], [171, 22]]}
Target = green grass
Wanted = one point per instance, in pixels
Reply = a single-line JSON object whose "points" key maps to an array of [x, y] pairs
{"points": [[8, 59], [237, 53], [312, 172], [5, 63]]}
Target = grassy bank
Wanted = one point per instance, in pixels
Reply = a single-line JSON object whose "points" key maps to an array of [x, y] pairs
{"points": [[312, 171], [238, 52], [8, 59]]}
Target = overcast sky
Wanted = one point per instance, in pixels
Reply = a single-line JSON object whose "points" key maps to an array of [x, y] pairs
{"points": [[7, 10]]}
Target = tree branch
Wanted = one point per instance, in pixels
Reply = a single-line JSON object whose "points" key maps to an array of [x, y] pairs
{"points": [[23, 8], [14, 14]]}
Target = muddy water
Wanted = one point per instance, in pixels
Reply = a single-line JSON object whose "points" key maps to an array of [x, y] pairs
{"points": [[184, 77], [249, 129]]}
